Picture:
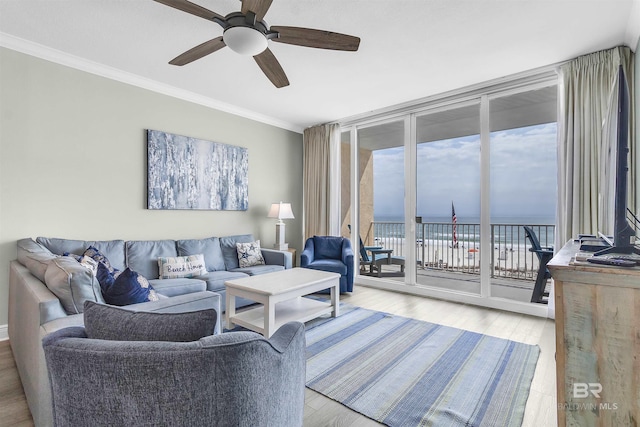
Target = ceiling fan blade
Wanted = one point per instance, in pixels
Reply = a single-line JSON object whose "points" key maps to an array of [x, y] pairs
{"points": [[316, 38], [259, 7], [272, 68], [198, 52], [192, 8]]}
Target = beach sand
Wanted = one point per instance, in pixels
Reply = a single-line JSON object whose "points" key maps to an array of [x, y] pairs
{"points": [[513, 261]]}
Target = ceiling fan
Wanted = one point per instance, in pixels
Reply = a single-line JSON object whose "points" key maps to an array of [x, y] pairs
{"points": [[246, 33]]}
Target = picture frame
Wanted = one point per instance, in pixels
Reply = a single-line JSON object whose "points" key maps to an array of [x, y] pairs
{"points": [[190, 173]]}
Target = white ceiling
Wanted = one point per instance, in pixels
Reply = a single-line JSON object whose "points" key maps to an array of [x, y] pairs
{"points": [[410, 49]]}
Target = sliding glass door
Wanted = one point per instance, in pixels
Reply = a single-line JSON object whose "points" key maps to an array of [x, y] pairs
{"points": [[523, 187], [443, 194], [381, 195], [448, 199]]}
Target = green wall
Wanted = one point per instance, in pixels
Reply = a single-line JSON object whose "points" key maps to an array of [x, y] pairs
{"points": [[73, 161]]}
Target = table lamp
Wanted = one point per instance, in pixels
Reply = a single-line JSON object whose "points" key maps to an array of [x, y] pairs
{"points": [[280, 211]]}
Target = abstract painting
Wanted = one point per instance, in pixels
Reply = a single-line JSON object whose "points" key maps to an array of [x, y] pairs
{"points": [[190, 173]]}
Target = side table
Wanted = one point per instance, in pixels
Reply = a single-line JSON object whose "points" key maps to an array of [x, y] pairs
{"points": [[294, 264]]}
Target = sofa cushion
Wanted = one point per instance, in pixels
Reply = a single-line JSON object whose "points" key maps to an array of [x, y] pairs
{"points": [[259, 269], [173, 287], [35, 257], [215, 279], [106, 322], [112, 249], [230, 250], [72, 283], [142, 255], [181, 266], [124, 288], [249, 254], [209, 247]]}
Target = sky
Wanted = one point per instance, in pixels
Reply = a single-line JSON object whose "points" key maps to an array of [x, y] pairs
{"points": [[523, 176]]}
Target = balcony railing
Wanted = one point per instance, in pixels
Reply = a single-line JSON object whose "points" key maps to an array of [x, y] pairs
{"points": [[436, 248]]}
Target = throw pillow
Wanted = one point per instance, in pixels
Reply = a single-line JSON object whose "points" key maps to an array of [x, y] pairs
{"points": [[89, 263], [74, 256], [230, 250], [106, 322], [99, 257], [85, 261], [181, 266], [124, 288], [249, 254], [72, 283]]}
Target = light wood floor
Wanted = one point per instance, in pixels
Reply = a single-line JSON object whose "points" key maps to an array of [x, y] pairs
{"points": [[322, 412], [13, 405]]}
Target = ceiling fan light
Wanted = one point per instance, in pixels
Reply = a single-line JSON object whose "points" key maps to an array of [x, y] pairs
{"points": [[245, 40]]}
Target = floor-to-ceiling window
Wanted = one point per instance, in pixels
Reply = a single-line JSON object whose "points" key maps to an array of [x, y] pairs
{"points": [[442, 192]]}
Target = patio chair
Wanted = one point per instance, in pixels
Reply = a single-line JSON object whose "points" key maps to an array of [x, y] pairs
{"points": [[544, 256], [365, 260], [379, 256], [382, 257]]}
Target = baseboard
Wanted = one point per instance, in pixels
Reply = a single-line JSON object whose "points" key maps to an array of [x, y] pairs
{"points": [[4, 332]]}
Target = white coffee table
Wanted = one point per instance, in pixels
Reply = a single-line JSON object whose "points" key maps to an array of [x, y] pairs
{"points": [[280, 294]]}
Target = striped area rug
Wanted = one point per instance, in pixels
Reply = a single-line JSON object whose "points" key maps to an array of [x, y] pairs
{"points": [[406, 372]]}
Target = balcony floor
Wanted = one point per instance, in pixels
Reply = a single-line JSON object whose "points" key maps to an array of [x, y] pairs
{"points": [[513, 289]]}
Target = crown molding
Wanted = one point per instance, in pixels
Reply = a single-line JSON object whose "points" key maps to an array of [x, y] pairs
{"points": [[59, 57]]}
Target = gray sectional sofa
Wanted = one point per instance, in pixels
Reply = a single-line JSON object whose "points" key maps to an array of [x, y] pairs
{"points": [[38, 308]]}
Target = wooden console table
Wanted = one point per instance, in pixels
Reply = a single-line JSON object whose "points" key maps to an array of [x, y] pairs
{"points": [[597, 342]]}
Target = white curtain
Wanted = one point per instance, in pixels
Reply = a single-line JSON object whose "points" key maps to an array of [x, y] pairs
{"points": [[320, 182], [586, 146]]}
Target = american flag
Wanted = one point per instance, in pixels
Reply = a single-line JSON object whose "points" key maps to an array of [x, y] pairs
{"points": [[454, 221]]}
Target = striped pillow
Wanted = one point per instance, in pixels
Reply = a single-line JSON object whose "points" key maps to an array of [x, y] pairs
{"points": [[181, 266]]}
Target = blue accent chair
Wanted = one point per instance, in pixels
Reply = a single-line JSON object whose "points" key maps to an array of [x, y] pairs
{"points": [[329, 253]]}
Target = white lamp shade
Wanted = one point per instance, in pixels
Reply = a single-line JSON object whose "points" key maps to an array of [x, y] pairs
{"points": [[281, 211], [245, 40]]}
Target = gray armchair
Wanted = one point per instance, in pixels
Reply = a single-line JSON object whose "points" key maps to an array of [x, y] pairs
{"points": [[233, 379]]}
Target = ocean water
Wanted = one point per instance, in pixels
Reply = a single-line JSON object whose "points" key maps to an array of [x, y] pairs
{"points": [[531, 220], [507, 231]]}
